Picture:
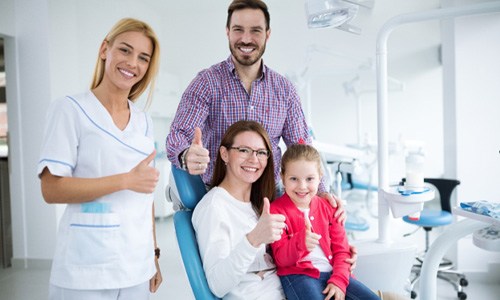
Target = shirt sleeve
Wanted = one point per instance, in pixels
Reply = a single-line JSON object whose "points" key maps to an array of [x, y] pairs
{"points": [[60, 143], [224, 267], [295, 127], [290, 249], [192, 112]]}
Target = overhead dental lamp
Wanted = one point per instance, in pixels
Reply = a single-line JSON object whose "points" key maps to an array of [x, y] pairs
{"points": [[334, 13]]}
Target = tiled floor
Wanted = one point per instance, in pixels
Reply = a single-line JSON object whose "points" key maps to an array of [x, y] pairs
{"points": [[31, 284]]}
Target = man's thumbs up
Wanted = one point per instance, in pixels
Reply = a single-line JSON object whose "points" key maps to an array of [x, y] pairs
{"points": [[197, 157], [197, 137]]}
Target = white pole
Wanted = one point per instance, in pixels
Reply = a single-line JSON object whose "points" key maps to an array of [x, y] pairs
{"points": [[435, 254]]}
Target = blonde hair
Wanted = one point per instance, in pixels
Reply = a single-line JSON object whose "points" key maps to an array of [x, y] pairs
{"points": [[301, 151], [127, 25]]}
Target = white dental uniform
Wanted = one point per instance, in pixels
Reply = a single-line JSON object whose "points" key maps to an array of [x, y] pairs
{"points": [[106, 243]]}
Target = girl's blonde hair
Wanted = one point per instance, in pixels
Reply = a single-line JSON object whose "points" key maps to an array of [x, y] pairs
{"points": [[127, 25], [301, 151]]}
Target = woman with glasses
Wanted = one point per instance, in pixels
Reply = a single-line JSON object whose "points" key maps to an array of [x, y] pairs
{"points": [[232, 221]]}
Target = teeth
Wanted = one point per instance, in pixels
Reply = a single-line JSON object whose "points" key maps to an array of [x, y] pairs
{"points": [[246, 50], [127, 73], [250, 169]]}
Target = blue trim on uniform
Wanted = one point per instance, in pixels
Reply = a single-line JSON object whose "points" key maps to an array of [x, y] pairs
{"points": [[147, 123], [107, 132], [57, 162], [94, 226]]}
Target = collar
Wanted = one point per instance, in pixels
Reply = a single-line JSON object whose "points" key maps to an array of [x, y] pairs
{"points": [[288, 203], [232, 68]]}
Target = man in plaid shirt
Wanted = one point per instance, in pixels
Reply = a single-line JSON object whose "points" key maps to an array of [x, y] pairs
{"points": [[240, 88]]}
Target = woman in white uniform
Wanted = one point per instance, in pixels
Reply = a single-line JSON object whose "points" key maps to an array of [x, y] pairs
{"points": [[97, 158]]}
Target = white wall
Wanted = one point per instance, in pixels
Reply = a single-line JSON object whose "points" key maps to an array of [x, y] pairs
{"points": [[67, 34], [28, 92], [477, 45]]}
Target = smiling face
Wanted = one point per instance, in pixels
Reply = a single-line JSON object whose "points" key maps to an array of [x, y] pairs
{"points": [[241, 168], [126, 59], [247, 36], [301, 180]]}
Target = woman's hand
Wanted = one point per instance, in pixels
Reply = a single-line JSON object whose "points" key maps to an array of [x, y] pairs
{"points": [[268, 229], [154, 283], [335, 202], [143, 178]]}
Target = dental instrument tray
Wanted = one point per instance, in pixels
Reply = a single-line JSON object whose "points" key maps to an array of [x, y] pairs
{"points": [[476, 216], [487, 238], [405, 200]]}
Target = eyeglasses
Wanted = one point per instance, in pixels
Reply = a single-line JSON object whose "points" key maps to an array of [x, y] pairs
{"points": [[262, 154]]}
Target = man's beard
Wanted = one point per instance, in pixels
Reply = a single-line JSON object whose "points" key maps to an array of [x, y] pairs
{"points": [[247, 60]]}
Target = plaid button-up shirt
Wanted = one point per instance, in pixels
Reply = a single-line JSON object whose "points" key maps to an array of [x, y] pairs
{"points": [[216, 98]]}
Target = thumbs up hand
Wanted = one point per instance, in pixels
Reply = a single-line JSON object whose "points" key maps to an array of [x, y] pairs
{"points": [[143, 178], [268, 229], [197, 158], [312, 239]]}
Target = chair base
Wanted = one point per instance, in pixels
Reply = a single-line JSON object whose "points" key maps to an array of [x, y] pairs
{"points": [[454, 277]]}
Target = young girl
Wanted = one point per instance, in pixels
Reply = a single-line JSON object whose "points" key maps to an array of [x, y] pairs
{"points": [[311, 253]]}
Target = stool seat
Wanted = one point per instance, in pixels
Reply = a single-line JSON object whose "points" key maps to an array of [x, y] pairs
{"points": [[352, 226], [431, 218]]}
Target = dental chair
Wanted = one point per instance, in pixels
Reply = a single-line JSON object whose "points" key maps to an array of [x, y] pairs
{"points": [[430, 218], [191, 189]]}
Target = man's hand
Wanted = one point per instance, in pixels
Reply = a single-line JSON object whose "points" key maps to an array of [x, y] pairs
{"points": [[335, 202], [197, 158], [354, 257]]}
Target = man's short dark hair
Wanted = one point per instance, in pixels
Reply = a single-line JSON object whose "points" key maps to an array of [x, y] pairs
{"points": [[253, 4]]}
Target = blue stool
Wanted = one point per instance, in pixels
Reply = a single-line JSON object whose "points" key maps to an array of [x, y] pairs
{"points": [[430, 218]]}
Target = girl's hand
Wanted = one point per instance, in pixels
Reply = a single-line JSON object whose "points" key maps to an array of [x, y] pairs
{"points": [[268, 229], [332, 290], [312, 239]]}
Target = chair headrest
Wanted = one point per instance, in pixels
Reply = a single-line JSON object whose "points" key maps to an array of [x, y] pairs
{"points": [[190, 187]]}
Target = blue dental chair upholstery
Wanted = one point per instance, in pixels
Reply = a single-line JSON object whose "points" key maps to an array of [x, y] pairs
{"points": [[191, 189]]}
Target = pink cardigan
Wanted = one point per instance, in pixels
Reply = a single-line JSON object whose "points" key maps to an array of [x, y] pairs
{"points": [[289, 251]]}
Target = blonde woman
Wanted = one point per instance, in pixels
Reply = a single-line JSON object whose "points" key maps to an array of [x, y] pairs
{"points": [[97, 158]]}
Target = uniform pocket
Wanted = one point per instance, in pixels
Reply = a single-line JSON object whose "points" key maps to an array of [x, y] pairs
{"points": [[93, 238]]}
